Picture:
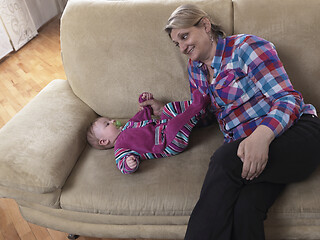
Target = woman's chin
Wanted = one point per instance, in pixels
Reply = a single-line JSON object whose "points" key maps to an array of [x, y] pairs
{"points": [[193, 57]]}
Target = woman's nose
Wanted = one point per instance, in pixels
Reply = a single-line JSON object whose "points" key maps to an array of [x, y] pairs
{"points": [[183, 48]]}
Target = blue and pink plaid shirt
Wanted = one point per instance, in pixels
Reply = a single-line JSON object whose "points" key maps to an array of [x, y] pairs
{"points": [[250, 87]]}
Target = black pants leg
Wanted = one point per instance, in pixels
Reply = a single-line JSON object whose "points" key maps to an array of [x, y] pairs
{"points": [[251, 208], [292, 157]]}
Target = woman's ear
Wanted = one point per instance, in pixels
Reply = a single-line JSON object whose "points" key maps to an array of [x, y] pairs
{"points": [[104, 142], [207, 24]]}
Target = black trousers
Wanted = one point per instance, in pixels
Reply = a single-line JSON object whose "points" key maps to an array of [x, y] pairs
{"points": [[232, 208]]}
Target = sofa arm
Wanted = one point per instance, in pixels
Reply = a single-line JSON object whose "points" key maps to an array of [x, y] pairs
{"points": [[40, 145]]}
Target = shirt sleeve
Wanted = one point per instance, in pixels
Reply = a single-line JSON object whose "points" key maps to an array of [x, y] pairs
{"points": [[259, 60], [192, 79], [193, 74]]}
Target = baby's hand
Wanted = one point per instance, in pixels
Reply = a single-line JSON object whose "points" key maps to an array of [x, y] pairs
{"points": [[145, 96], [131, 162]]}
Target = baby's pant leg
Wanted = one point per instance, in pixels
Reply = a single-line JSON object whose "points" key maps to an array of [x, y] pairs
{"points": [[182, 116], [172, 109], [184, 122]]}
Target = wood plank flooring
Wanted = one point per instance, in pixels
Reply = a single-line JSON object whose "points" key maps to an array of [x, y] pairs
{"points": [[22, 75]]}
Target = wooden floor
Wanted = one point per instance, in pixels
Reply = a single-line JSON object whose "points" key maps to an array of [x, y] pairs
{"points": [[22, 75]]}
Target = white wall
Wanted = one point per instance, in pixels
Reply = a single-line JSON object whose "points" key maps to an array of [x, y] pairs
{"points": [[20, 20], [5, 45], [42, 11], [17, 22]]}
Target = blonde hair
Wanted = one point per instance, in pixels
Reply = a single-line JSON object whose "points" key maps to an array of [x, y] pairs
{"points": [[189, 15], [92, 138]]}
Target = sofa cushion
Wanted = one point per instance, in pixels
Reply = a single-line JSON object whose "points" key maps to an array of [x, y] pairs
{"points": [[41, 144], [296, 214], [293, 26], [114, 50], [164, 191], [161, 187]]}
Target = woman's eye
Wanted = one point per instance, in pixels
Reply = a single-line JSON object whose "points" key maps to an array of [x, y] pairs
{"points": [[184, 36], [177, 44]]}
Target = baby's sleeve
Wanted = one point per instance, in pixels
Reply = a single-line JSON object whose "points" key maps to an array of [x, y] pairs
{"points": [[144, 114], [121, 156]]}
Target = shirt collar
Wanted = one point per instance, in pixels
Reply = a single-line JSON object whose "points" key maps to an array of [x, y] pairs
{"points": [[198, 64], [216, 62]]}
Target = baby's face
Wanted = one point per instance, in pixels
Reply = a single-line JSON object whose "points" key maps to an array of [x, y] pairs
{"points": [[104, 128]]}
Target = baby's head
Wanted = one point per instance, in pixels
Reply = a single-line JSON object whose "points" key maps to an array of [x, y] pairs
{"points": [[102, 133]]}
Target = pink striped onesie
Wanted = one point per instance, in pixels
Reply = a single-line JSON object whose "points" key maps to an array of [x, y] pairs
{"points": [[148, 138]]}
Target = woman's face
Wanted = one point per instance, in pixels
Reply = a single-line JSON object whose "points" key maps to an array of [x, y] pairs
{"points": [[193, 42]]}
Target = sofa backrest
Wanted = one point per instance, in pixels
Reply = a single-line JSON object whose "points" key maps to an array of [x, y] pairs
{"points": [[293, 27], [114, 50]]}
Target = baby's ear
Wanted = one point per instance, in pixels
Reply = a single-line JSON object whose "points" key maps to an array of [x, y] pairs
{"points": [[104, 142]]}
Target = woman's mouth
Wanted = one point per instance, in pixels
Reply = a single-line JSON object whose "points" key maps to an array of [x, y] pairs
{"points": [[190, 50]]}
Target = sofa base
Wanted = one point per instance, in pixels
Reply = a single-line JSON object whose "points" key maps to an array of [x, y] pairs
{"points": [[303, 232], [72, 236], [102, 230], [140, 231]]}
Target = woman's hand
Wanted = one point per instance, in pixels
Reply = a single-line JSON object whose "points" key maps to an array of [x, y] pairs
{"points": [[156, 105], [254, 150]]}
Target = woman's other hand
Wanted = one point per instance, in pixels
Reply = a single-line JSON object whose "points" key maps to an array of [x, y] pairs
{"points": [[254, 150]]}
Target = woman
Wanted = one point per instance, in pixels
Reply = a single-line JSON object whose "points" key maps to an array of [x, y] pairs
{"points": [[272, 137]]}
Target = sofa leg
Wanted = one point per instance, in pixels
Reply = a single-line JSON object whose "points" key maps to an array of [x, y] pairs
{"points": [[72, 236]]}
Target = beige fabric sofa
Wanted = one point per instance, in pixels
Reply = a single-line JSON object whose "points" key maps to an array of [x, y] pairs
{"points": [[112, 51]]}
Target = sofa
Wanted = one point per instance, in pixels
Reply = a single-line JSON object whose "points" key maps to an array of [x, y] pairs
{"points": [[112, 51]]}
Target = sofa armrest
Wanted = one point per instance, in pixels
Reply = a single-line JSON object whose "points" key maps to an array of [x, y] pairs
{"points": [[40, 145]]}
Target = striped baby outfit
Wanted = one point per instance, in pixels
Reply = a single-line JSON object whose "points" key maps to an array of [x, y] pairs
{"points": [[148, 138]]}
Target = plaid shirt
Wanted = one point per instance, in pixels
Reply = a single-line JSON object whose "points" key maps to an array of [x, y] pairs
{"points": [[250, 87]]}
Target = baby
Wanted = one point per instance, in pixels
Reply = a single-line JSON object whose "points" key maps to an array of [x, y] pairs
{"points": [[143, 137]]}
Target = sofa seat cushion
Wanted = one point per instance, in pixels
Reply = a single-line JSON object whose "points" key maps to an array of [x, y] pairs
{"points": [[164, 190], [300, 201], [160, 187], [296, 214]]}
